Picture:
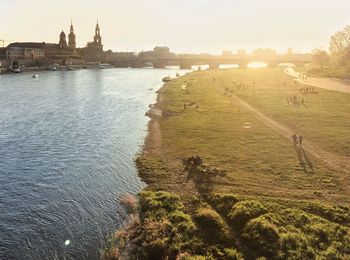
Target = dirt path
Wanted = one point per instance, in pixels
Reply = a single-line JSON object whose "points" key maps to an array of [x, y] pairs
{"points": [[336, 162], [325, 83]]}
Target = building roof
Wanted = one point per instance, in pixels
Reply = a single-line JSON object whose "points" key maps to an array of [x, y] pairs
{"points": [[36, 45], [51, 45]]}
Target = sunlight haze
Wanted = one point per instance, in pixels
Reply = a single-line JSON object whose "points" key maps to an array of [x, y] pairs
{"points": [[184, 26]]}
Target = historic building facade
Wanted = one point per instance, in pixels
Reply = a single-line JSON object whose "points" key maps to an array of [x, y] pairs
{"points": [[25, 51], [94, 50], [62, 49]]}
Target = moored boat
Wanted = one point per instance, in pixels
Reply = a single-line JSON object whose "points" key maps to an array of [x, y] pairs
{"points": [[166, 79]]}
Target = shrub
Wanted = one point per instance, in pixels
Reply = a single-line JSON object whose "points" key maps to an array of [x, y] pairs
{"points": [[157, 204], [155, 240], [244, 211], [261, 236], [183, 222], [232, 254], [336, 214], [129, 202], [212, 225], [223, 202], [295, 246], [186, 256]]}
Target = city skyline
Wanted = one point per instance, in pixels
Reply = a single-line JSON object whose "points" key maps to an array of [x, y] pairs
{"points": [[182, 26]]}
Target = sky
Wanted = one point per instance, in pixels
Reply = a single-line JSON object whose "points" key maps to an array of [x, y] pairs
{"points": [[186, 26]]}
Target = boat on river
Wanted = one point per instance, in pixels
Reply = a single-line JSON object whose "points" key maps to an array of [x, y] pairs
{"points": [[166, 79]]}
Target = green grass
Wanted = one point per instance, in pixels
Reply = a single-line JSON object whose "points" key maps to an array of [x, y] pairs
{"points": [[266, 205], [323, 119], [328, 72], [258, 160]]}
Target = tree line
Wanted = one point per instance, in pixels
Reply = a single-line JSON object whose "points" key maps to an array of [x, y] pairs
{"points": [[339, 50]]}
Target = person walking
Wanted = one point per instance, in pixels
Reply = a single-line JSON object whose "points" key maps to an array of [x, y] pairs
{"points": [[300, 137], [295, 139]]}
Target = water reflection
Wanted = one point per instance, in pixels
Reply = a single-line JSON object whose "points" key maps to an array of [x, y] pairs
{"points": [[257, 65], [228, 66]]}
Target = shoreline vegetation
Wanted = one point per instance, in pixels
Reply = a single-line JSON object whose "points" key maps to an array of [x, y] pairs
{"points": [[221, 184], [342, 73]]}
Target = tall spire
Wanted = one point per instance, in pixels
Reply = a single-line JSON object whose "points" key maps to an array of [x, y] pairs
{"points": [[71, 37]]}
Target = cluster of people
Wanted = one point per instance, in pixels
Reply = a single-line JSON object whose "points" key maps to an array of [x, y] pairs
{"points": [[238, 86], [293, 100], [242, 85], [297, 139], [302, 76], [307, 91], [228, 92]]}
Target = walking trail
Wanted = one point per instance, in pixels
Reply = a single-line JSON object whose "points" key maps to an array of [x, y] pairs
{"points": [[326, 83], [336, 162]]}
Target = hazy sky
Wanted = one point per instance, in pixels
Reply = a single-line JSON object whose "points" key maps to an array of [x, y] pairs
{"points": [[183, 25]]}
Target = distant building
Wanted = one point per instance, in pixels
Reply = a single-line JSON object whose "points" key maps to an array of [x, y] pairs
{"points": [[3, 61], [72, 39], [94, 50], [264, 53], [3, 53], [161, 52], [62, 50], [25, 51], [157, 53]]}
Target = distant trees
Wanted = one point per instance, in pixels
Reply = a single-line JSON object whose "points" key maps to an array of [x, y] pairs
{"points": [[320, 58], [340, 47]]}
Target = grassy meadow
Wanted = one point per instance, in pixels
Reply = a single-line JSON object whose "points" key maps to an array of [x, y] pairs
{"points": [[222, 185], [327, 72]]}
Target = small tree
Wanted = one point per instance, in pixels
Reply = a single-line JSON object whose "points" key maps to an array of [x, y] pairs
{"points": [[321, 58], [340, 46]]}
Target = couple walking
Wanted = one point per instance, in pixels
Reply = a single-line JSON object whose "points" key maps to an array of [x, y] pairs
{"points": [[297, 139]]}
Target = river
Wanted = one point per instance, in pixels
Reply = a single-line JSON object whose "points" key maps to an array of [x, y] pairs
{"points": [[67, 146]]}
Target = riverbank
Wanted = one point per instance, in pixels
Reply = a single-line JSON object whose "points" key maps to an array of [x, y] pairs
{"points": [[342, 73], [57, 68], [224, 184]]}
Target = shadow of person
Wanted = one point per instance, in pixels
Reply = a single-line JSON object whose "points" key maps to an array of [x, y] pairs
{"points": [[300, 157], [307, 160]]}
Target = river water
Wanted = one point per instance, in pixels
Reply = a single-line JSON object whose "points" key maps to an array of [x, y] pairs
{"points": [[67, 146]]}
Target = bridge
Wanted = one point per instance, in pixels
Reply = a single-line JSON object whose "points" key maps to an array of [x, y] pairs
{"points": [[187, 61]]}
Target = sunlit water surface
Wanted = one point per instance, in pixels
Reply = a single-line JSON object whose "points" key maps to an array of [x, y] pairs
{"points": [[67, 145]]}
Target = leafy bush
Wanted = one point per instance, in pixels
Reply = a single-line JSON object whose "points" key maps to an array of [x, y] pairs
{"points": [[340, 215], [232, 254], [157, 204], [129, 202], [186, 256], [244, 211], [223, 203], [212, 225], [261, 236], [295, 246]]}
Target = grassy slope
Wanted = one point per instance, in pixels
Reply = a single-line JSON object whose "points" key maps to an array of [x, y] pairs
{"points": [[331, 72], [260, 161], [269, 205]]}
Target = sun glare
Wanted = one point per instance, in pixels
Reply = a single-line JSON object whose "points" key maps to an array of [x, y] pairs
{"points": [[257, 65]]}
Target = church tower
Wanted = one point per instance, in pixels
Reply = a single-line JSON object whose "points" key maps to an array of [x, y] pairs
{"points": [[63, 41], [71, 38], [97, 37]]}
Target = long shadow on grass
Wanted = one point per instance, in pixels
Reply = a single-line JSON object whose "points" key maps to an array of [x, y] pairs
{"points": [[307, 160], [300, 157], [303, 158]]}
